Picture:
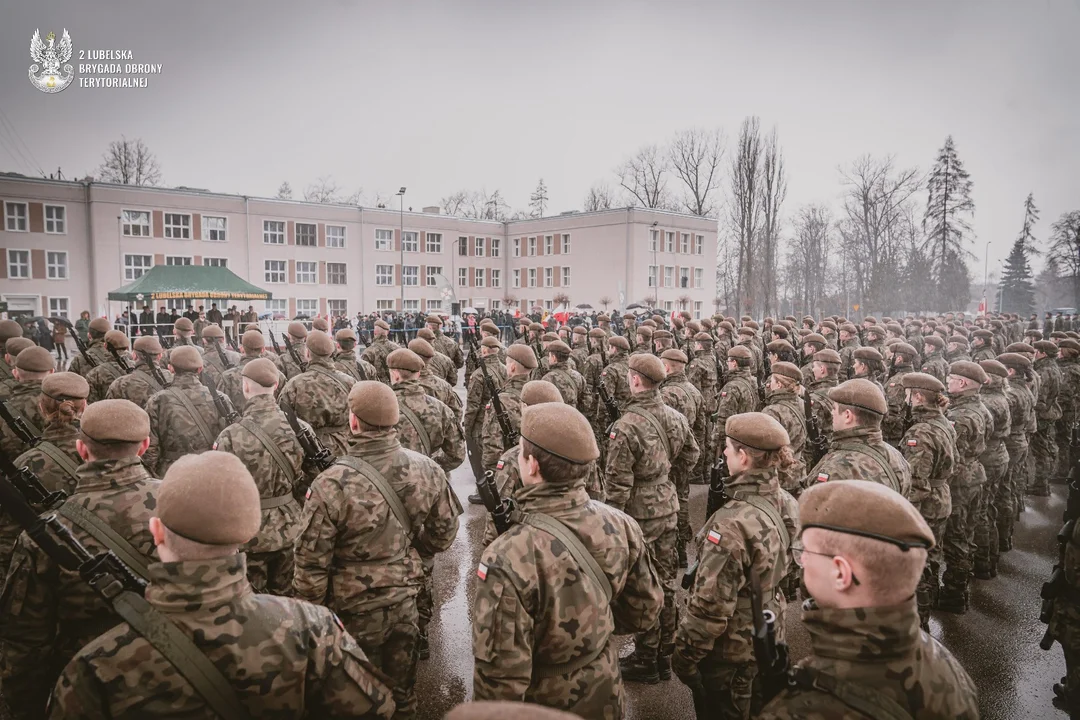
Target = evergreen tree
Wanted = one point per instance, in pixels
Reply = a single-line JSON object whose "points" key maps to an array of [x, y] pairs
{"points": [[1031, 216], [539, 199], [284, 192], [1016, 292], [946, 223]]}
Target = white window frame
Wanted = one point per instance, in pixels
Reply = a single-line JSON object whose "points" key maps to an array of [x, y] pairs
{"points": [[434, 304], [270, 272], [549, 244], [699, 245], [314, 234], [338, 239], [699, 277], [176, 230], [565, 244], [669, 276], [410, 305], [332, 311], [463, 277], [429, 275], [549, 277], [384, 277], [433, 242], [384, 239], [344, 273], [532, 277], [684, 243], [496, 279], [189, 258], [496, 248], [313, 303], [669, 305], [277, 305], [496, 304], [566, 276], [698, 307], [684, 278], [130, 270], [29, 271], [215, 261], [517, 248], [56, 270], [54, 309], [273, 232], [478, 247], [309, 275], [412, 245], [59, 224], [532, 247], [215, 234], [654, 239], [410, 275], [669, 241], [463, 246], [653, 270], [479, 277], [549, 304], [384, 305], [128, 224], [517, 278], [12, 219]]}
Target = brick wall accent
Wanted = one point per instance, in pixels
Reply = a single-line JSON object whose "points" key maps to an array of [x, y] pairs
{"points": [[322, 273], [37, 217], [159, 259], [159, 223], [37, 264], [196, 227], [290, 233], [291, 277], [322, 235]]}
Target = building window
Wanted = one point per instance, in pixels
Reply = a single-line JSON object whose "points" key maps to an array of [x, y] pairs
{"points": [[684, 277], [699, 277], [305, 272], [496, 304], [215, 262], [307, 234], [58, 306], [177, 226], [177, 304], [273, 232], [337, 308], [532, 247], [517, 248], [15, 217], [479, 277], [410, 275], [434, 304], [684, 243], [335, 273], [479, 247], [135, 266], [549, 305], [496, 246], [697, 310], [384, 274], [335, 236], [517, 279], [654, 238], [274, 271], [136, 223], [652, 276], [382, 305], [412, 306], [307, 307], [496, 279], [55, 219], [213, 228], [669, 245], [669, 305], [433, 243], [57, 265], [699, 248], [411, 241], [432, 273], [384, 239], [532, 277], [177, 259], [276, 307], [669, 276], [463, 246], [549, 277], [566, 277], [549, 245], [18, 264], [463, 277]]}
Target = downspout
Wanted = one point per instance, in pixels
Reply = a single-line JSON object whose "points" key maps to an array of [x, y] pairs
{"points": [[360, 243], [91, 252], [629, 256]]}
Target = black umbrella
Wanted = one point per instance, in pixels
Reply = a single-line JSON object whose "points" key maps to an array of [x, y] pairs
{"points": [[584, 306], [634, 306]]}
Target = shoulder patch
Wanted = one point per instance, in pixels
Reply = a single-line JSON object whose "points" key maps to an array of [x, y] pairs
{"points": [[822, 477], [723, 393], [611, 435], [481, 571], [307, 495], [912, 442], [337, 621], [214, 446], [500, 465], [488, 406], [713, 537]]}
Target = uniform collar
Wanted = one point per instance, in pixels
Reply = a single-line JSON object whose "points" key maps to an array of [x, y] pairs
{"points": [[871, 434], [756, 481], [551, 498], [862, 634], [186, 380], [647, 398], [111, 474], [675, 378], [260, 404], [190, 585], [409, 387], [374, 442], [320, 361]]}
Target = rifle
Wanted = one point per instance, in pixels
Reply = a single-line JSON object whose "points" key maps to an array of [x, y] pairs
{"points": [[1057, 585], [892, 368], [293, 353], [154, 369], [75, 336], [510, 436], [501, 509], [232, 344], [908, 419], [18, 426], [221, 354], [120, 359], [315, 453], [819, 445], [28, 488], [766, 371], [225, 410], [772, 657], [273, 340]]}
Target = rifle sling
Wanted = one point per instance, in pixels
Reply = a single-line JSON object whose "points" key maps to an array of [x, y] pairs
{"points": [[381, 484], [333, 376], [876, 455], [657, 427], [182, 652], [104, 534], [200, 421], [868, 702], [425, 439], [271, 447], [59, 457]]}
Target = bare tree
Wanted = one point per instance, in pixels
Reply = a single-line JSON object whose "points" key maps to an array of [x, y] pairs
{"points": [[284, 191], [129, 162], [1065, 249], [599, 198], [454, 204], [773, 190], [509, 300], [810, 250], [744, 212], [495, 207], [324, 190], [605, 301], [684, 300], [644, 177], [561, 299], [696, 157], [539, 199]]}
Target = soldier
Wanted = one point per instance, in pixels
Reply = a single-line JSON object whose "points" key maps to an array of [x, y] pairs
{"points": [[644, 343], [933, 359], [958, 350], [862, 549], [434, 385], [613, 376], [345, 359], [596, 346], [704, 373], [139, 385], [1064, 625], [278, 657], [995, 462], [267, 446], [252, 347], [213, 338], [603, 322], [982, 347], [427, 426], [94, 349], [46, 612], [446, 345], [441, 365], [476, 398], [857, 450], [826, 369], [785, 405], [14, 346], [380, 347], [867, 363], [645, 446], [54, 459], [849, 341], [183, 417], [902, 363], [739, 394], [579, 354], [1044, 447], [749, 537], [570, 382], [367, 523], [183, 336], [486, 329], [9, 329], [682, 396], [293, 362], [320, 395], [828, 330], [607, 581], [811, 344], [32, 365], [929, 446], [1069, 402], [520, 362], [103, 375]]}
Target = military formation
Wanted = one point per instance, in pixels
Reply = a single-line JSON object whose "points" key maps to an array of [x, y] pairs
{"points": [[266, 522]]}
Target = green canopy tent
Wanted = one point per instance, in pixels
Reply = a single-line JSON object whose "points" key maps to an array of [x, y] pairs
{"points": [[188, 282]]}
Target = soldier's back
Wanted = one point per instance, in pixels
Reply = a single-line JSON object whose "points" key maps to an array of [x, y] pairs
{"points": [[176, 430], [861, 454], [101, 378], [137, 387], [320, 396]]}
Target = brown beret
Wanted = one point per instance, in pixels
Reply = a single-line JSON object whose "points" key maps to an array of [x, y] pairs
{"points": [[983, 334], [814, 339], [870, 319], [490, 342], [756, 430], [662, 335], [148, 344], [35, 359], [958, 340], [9, 329], [186, 357], [645, 331], [876, 331], [921, 381], [489, 326], [522, 355], [828, 356], [433, 320], [866, 353], [649, 366], [213, 331], [253, 340], [536, 327], [1045, 346], [559, 429], [993, 367], [596, 333], [297, 330], [788, 370], [740, 351], [405, 359], [117, 339], [703, 337], [558, 346], [65, 386], [674, 355], [422, 347], [210, 498], [16, 345], [1069, 344], [752, 324], [113, 422], [862, 394], [1019, 347], [425, 334], [549, 337], [261, 370], [725, 325], [895, 327], [866, 509], [904, 349], [828, 324], [969, 370], [603, 317], [780, 331], [1015, 361], [934, 341], [382, 325], [777, 346], [1057, 335], [319, 343], [628, 316], [694, 326], [320, 324], [101, 325], [184, 325], [374, 403], [535, 392], [849, 329], [581, 330], [345, 335], [619, 342], [747, 331]]}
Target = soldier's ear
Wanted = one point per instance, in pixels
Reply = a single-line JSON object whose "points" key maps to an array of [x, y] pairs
{"points": [[144, 446]]}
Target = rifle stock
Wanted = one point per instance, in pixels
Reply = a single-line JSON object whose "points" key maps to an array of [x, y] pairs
{"points": [[510, 436], [18, 426], [224, 408], [501, 509], [120, 359], [221, 354], [316, 455]]}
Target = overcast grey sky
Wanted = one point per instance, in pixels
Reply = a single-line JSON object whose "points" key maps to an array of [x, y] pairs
{"points": [[440, 96]]}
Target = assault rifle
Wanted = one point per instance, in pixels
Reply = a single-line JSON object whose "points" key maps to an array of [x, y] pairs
{"points": [[75, 336], [293, 353], [510, 436], [232, 343], [1058, 585], [892, 367], [28, 488], [221, 354], [18, 426], [224, 408], [909, 420], [772, 657], [273, 341], [819, 445], [501, 509], [766, 371], [316, 456], [154, 369], [120, 359]]}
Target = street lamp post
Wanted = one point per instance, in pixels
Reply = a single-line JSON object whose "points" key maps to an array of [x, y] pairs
{"points": [[401, 243], [986, 267]]}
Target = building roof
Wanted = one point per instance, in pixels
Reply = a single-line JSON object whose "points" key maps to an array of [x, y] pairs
{"points": [[194, 282]]}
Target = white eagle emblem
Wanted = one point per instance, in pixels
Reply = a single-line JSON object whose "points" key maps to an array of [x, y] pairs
{"points": [[48, 58]]}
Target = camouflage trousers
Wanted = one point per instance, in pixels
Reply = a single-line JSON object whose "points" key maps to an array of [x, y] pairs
{"points": [[986, 528], [926, 594], [1065, 450], [660, 638], [425, 599], [682, 491], [1007, 494], [1044, 450], [730, 690], [700, 473], [389, 637], [271, 572], [958, 542]]}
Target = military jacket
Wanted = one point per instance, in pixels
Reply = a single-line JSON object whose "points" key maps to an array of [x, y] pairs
{"points": [[493, 445], [967, 415], [615, 382], [447, 444], [1021, 415], [823, 404], [860, 453], [1046, 405], [450, 348], [957, 356], [442, 391], [284, 658], [679, 394], [443, 367], [994, 400], [138, 386], [571, 384], [592, 370], [984, 352], [101, 378], [177, 342], [929, 446], [376, 353], [1069, 389], [5, 369], [232, 383], [701, 372], [892, 425], [173, 430], [97, 352], [787, 409], [477, 395], [739, 395], [321, 397], [22, 402], [285, 362], [936, 365], [847, 357], [212, 364], [357, 368]]}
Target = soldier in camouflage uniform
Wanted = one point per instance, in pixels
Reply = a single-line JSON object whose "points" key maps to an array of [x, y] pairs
{"points": [[32, 365], [613, 377], [929, 446], [867, 364], [486, 329], [1069, 403], [441, 365], [520, 362], [1010, 495], [596, 346], [812, 343], [702, 372], [320, 394], [995, 462], [103, 375], [643, 344], [1044, 446], [13, 347], [266, 444], [47, 613], [140, 385], [368, 522], [445, 344], [825, 367], [901, 363], [434, 385], [933, 360], [94, 348], [183, 418], [958, 350], [213, 337], [183, 336], [645, 446], [477, 397], [9, 329], [849, 342], [380, 347], [579, 353], [345, 359], [739, 394], [783, 396], [679, 394], [749, 536], [857, 450], [426, 425], [982, 346], [252, 347], [560, 652], [290, 362], [863, 548], [281, 657], [570, 382]]}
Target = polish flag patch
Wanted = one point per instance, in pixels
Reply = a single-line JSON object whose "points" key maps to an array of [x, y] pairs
{"points": [[912, 443], [500, 465], [611, 435], [822, 477], [214, 447], [713, 537], [307, 495], [723, 394], [481, 571]]}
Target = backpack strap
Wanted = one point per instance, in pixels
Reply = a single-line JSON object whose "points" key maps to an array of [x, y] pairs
{"points": [[425, 439], [762, 504], [333, 376], [864, 700], [381, 484], [59, 457], [877, 456], [271, 447], [200, 421], [641, 412], [101, 531]]}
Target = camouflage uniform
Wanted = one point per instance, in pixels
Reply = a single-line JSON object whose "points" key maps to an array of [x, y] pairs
{"points": [[376, 353], [95, 348], [983, 352], [101, 378], [212, 364], [570, 382], [713, 640], [1022, 420], [443, 367], [536, 611], [847, 357], [680, 395], [283, 657], [441, 390], [739, 395], [450, 348], [270, 553], [640, 462], [823, 404], [860, 453], [476, 399], [966, 413], [23, 402], [995, 462], [929, 446], [1065, 621], [1069, 402], [173, 431], [935, 364], [701, 372], [614, 379], [232, 383], [178, 342], [787, 409], [358, 369], [321, 397], [287, 364], [492, 444], [138, 386], [1044, 447], [446, 444], [48, 613], [892, 425], [354, 557], [881, 652]]}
